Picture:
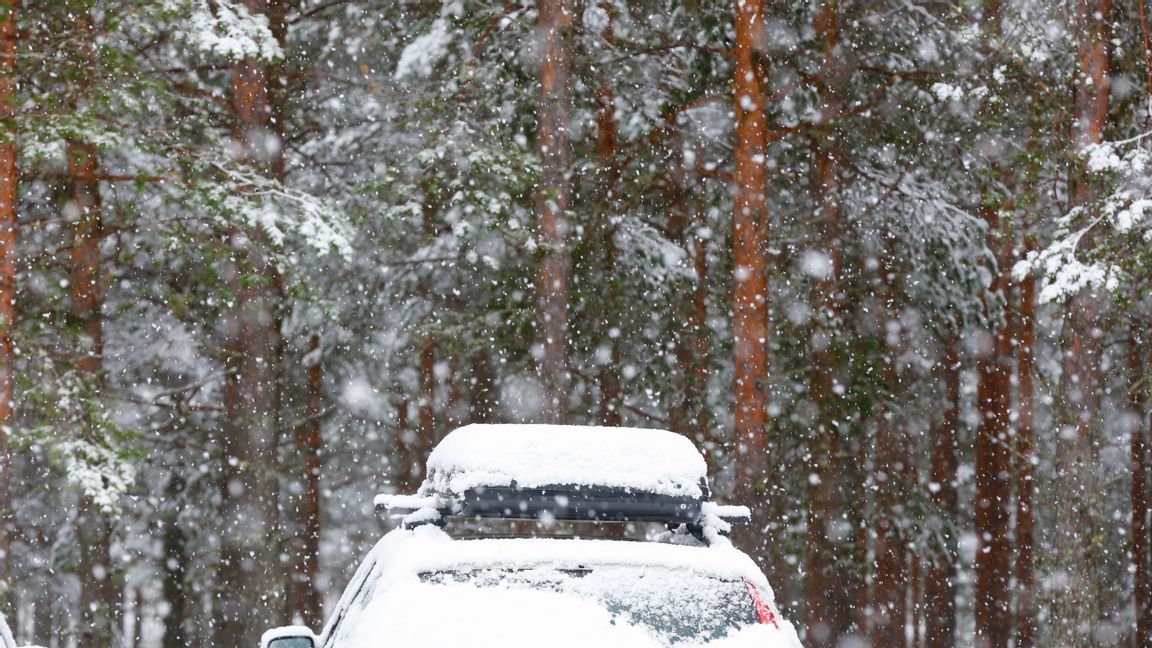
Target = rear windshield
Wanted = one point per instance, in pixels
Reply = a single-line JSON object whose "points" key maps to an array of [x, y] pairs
{"points": [[672, 606]]}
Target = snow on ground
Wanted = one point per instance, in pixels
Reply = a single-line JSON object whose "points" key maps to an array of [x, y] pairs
{"points": [[651, 461]]}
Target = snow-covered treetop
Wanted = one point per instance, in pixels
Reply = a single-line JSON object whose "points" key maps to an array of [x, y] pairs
{"points": [[228, 29], [650, 461]]}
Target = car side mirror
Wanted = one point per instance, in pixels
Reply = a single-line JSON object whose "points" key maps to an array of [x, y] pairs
{"points": [[288, 637]]}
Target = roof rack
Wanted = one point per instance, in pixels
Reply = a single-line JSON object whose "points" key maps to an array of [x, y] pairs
{"points": [[564, 503]]}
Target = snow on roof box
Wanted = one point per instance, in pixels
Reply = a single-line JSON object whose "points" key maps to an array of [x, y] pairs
{"points": [[535, 456]]}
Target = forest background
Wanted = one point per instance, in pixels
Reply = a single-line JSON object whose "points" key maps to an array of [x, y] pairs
{"points": [[886, 261]]}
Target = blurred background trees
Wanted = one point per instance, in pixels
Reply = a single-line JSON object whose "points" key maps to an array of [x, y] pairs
{"points": [[885, 262]]}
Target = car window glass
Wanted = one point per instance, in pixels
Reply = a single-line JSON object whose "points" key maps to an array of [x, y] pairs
{"points": [[358, 600], [672, 605]]}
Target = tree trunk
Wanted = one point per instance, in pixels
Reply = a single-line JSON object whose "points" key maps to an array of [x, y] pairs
{"points": [[87, 291], [1075, 615], [249, 595], [42, 618], [940, 580], [99, 591], [1142, 577], [1025, 467], [750, 290], [992, 597], [689, 412], [701, 347], [426, 412], [8, 198], [993, 463], [242, 528], [916, 599], [890, 581], [304, 605], [484, 391], [550, 349], [175, 557], [889, 585], [1141, 555], [688, 398], [826, 589], [608, 374]]}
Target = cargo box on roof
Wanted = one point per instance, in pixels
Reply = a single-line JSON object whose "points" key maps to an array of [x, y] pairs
{"points": [[538, 456], [564, 473]]}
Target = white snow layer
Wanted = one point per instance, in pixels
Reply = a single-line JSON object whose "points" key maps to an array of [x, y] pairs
{"points": [[650, 461], [6, 640], [420, 57], [389, 603], [229, 29], [285, 631]]}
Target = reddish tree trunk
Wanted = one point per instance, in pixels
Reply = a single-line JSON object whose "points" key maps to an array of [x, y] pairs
{"points": [[99, 590], [238, 510], [608, 375], [249, 595], [750, 290], [890, 581], [940, 579], [1092, 98], [484, 392], [890, 470], [889, 609], [87, 291], [827, 590], [550, 350], [426, 412], [1025, 467], [8, 197], [454, 381], [304, 605], [991, 605], [698, 321], [993, 464]]}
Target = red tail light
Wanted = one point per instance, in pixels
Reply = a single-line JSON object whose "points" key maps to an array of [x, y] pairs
{"points": [[763, 609]]}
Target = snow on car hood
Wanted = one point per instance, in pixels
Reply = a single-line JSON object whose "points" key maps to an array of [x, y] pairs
{"points": [[651, 461]]}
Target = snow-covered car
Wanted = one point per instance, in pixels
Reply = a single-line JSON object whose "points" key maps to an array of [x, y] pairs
{"points": [[6, 640], [423, 586]]}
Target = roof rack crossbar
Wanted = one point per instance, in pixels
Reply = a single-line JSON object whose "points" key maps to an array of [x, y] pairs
{"points": [[562, 503], [586, 504]]}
